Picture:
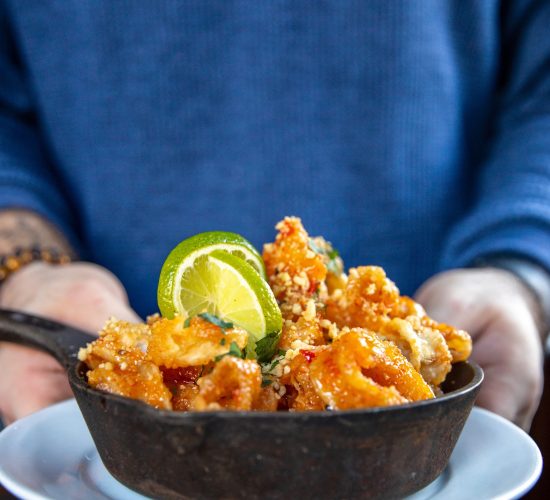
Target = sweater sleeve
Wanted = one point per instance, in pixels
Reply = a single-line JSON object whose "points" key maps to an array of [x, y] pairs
{"points": [[511, 214], [27, 177]]}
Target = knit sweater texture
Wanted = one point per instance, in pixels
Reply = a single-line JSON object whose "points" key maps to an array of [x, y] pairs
{"points": [[413, 135]]}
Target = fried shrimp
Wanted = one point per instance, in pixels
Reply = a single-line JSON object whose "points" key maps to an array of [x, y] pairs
{"points": [[370, 300], [347, 341], [303, 394], [119, 364], [173, 344], [359, 370], [294, 270], [234, 384]]}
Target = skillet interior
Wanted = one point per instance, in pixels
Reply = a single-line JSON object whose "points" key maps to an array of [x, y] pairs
{"points": [[381, 452]]}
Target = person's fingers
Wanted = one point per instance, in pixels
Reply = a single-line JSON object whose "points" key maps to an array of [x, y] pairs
{"points": [[499, 394], [83, 304], [31, 381], [447, 306], [82, 295], [493, 308]]}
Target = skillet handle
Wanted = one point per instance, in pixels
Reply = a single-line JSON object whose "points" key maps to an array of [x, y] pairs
{"points": [[61, 341]]}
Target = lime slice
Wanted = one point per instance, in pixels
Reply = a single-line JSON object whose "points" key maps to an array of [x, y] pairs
{"points": [[184, 255], [220, 283]]}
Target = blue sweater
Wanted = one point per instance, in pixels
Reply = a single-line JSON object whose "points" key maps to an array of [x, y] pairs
{"points": [[413, 135]]}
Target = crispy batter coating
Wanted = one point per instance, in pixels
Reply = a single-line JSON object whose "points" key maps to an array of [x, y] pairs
{"points": [[291, 253], [370, 300], [159, 362], [120, 364], [424, 347], [267, 400], [304, 395], [348, 341], [234, 384], [182, 383], [359, 370], [366, 301], [173, 345], [295, 272], [307, 329]]}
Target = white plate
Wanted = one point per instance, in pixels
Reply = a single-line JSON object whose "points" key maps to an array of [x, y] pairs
{"points": [[51, 455]]}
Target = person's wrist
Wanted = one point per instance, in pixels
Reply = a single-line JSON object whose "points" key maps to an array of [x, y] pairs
{"points": [[15, 261]]}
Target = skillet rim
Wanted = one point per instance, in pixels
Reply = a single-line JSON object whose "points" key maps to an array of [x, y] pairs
{"points": [[76, 379]]}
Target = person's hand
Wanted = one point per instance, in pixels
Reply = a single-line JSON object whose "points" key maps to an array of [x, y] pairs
{"points": [[82, 295], [499, 313]]}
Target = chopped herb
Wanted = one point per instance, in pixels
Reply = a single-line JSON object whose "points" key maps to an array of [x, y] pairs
{"points": [[233, 351], [334, 268], [267, 367], [331, 253], [187, 322], [224, 325], [266, 382], [281, 352], [266, 347], [222, 341]]}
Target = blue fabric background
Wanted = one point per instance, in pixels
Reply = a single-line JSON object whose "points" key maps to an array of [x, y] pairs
{"points": [[414, 135]]}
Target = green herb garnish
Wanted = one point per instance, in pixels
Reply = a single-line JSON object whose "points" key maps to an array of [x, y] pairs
{"points": [[266, 347], [233, 351], [331, 253], [224, 325]]}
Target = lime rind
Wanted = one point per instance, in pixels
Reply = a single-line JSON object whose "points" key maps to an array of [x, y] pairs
{"points": [[206, 274], [183, 256]]}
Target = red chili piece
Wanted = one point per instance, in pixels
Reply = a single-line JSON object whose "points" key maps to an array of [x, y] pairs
{"points": [[309, 355], [178, 376]]}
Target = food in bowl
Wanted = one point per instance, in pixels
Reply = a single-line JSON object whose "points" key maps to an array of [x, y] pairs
{"points": [[311, 337]]}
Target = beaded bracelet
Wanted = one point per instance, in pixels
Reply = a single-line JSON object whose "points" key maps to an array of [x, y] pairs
{"points": [[11, 263]]}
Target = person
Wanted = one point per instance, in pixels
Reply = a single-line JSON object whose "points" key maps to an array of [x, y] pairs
{"points": [[413, 135]]}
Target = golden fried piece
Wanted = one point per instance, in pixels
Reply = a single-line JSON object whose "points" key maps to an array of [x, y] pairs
{"points": [[120, 364], [458, 341], [366, 301], [293, 268], [370, 300], [184, 396], [336, 277], [307, 330], [424, 347], [182, 383], [358, 370], [173, 345], [267, 400], [234, 384], [303, 395]]}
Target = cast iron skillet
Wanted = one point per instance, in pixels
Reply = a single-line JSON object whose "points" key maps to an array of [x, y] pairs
{"points": [[381, 452]]}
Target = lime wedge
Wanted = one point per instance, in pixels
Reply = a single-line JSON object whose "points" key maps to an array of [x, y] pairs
{"points": [[184, 255], [220, 283]]}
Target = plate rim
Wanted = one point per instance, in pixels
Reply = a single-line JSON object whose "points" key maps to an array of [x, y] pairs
{"points": [[69, 406]]}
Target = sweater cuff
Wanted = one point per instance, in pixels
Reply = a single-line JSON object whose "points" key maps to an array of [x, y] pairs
{"points": [[531, 241]]}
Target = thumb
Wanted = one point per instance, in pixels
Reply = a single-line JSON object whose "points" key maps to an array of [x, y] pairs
{"points": [[447, 306], [92, 314]]}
